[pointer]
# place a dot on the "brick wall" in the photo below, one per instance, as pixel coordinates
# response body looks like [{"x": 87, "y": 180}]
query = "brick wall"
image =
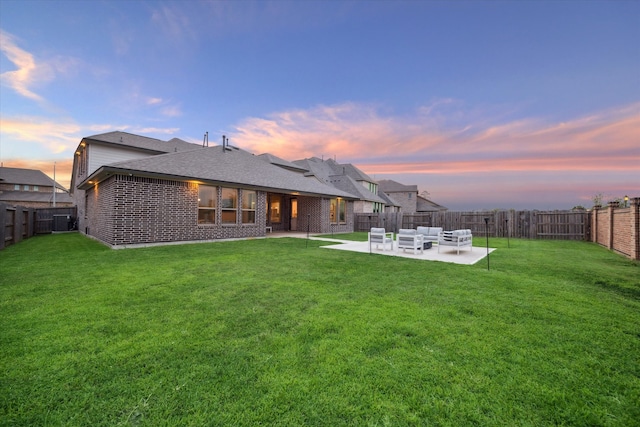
[
  {"x": 408, "y": 201},
  {"x": 125, "y": 210},
  {"x": 618, "y": 228}
]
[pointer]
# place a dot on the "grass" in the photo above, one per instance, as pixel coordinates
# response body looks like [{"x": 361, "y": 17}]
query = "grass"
[{"x": 283, "y": 332}]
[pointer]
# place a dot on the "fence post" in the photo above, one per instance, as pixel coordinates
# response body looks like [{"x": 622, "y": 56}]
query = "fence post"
[
  {"x": 3, "y": 224},
  {"x": 635, "y": 228}
]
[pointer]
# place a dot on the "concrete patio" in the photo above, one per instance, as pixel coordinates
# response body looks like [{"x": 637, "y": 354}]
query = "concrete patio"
[{"x": 447, "y": 254}]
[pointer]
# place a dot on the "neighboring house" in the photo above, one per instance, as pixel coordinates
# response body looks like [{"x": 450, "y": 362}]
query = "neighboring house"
[
  {"x": 348, "y": 178},
  {"x": 426, "y": 205},
  {"x": 404, "y": 195},
  {"x": 131, "y": 189},
  {"x": 390, "y": 205},
  {"x": 31, "y": 188}
]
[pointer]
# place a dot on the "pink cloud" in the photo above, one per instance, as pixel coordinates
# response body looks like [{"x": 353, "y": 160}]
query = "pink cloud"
[
  {"x": 359, "y": 133},
  {"x": 469, "y": 158}
]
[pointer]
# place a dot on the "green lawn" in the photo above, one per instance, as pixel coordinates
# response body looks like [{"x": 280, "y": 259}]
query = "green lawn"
[{"x": 283, "y": 332}]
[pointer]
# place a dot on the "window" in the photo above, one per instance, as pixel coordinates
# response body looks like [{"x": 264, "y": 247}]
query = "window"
[
  {"x": 25, "y": 188},
  {"x": 249, "y": 201},
  {"x": 274, "y": 209},
  {"x": 338, "y": 211},
  {"x": 229, "y": 206},
  {"x": 207, "y": 202},
  {"x": 35, "y": 188},
  {"x": 16, "y": 187}
]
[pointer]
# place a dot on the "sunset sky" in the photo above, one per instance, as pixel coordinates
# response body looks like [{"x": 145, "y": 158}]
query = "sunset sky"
[{"x": 484, "y": 104}]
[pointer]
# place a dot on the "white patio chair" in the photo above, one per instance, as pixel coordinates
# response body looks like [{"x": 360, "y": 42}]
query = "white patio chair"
[
  {"x": 378, "y": 236},
  {"x": 409, "y": 239}
]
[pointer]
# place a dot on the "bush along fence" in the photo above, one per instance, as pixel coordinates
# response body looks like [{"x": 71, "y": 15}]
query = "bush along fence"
[{"x": 19, "y": 222}]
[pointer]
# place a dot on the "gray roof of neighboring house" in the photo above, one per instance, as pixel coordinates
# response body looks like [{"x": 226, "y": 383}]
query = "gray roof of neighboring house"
[
  {"x": 316, "y": 167},
  {"x": 344, "y": 177},
  {"x": 142, "y": 142},
  {"x": 220, "y": 166},
  {"x": 34, "y": 196},
  {"x": 26, "y": 177},
  {"x": 348, "y": 184},
  {"x": 348, "y": 169},
  {"x": 391, "y": 186},
  {"x": 426, "y": 205},
  {"x": 324, "y": 169}
]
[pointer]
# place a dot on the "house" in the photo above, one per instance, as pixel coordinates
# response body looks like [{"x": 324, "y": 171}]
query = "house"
[
  {"x": 390, "y": 205},
  {"x": 346, "y": 177},
  {"x": 408, "y": 198},
  {"x": 31, "y": 188},
  {"x": 405, "y": 195},
  {"x": 131, "y": 189}
]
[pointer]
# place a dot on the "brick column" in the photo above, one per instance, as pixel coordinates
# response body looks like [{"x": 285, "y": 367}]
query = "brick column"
[
  {"x": 611, "y": 207},
  {"x": 635, "y": 228}
]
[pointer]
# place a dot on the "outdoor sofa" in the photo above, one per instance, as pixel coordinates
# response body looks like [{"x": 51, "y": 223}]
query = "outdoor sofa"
[
  {"x": 456, "y": 238},
  {"x": 430, "y": 234}
]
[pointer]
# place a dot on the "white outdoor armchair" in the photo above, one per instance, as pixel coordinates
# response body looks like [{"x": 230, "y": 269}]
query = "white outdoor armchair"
[
  {"x": 409, "y": 239},
  {"x": 378, "y": 236}
]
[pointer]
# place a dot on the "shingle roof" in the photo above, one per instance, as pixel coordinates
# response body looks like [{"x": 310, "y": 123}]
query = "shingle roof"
[
  {"x": 426, "y": 205},
  {"x": 26, "y": 177},
  {"x": 316, "y": 167},
  {"x": 143, "y": 142},
  {"x": 275, "y": 160},
  {"x": 326, "y": 168},
  {"x": 341, "y": 176},
  {"x": 216, "y": 165},
  {"x": 349, "y": 170},
  {"x": 34, "y": 196},
  {"x": 391, "y": 186},
  {"x": 348, "y": 184}
]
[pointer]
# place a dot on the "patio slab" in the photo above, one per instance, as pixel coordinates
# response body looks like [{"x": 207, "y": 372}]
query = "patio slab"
[{"x": 448, "y": 254}]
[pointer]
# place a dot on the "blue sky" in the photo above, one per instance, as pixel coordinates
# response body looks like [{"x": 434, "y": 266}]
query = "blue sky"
[{"x": 484, "y": 104}]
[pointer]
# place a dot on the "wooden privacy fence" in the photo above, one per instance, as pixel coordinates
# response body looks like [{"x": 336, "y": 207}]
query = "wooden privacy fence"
[
  {"x": 19, "y": 223},
  {"x": 559, "y": 225}
]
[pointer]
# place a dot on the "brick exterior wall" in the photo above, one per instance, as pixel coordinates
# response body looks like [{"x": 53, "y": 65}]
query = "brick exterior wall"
[
  {"x": 327, "y": 227},
  {"x": 408, "y": 201},
  {"x": 127, "y": 210},
  {"x": 618, "y": 228}
]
